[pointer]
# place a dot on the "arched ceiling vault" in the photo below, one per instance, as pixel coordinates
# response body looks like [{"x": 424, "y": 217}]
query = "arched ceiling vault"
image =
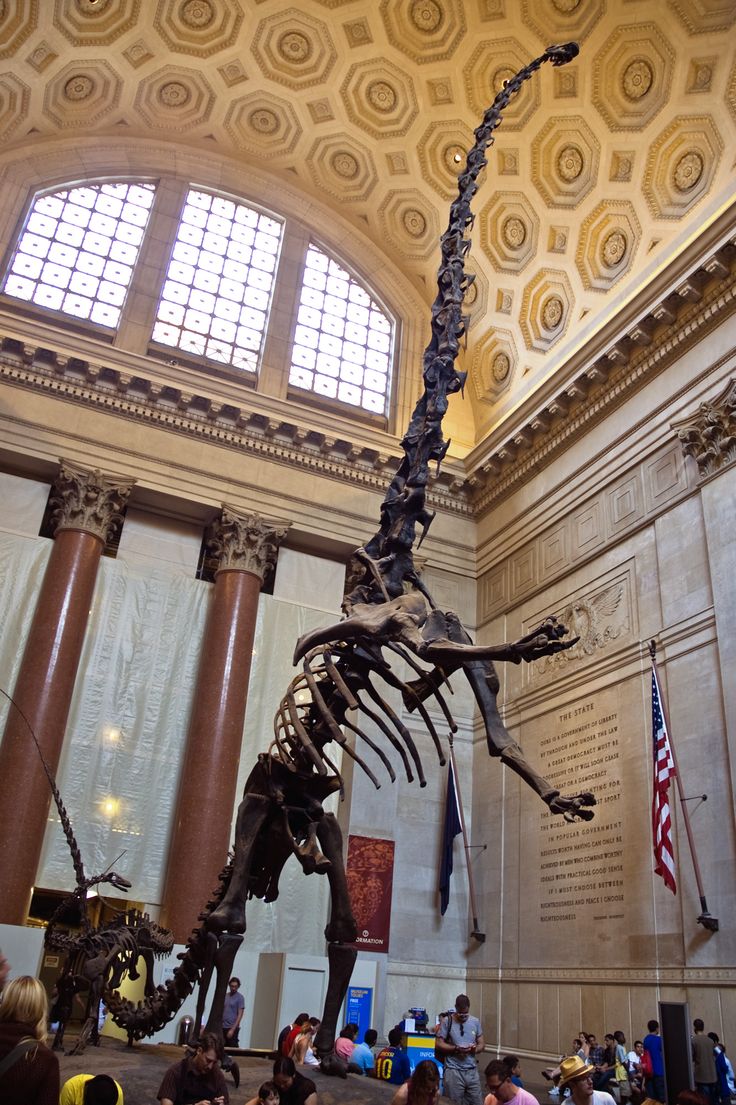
[{"x": 603, "y": 172}]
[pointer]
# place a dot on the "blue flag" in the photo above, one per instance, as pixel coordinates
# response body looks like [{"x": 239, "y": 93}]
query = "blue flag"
[{"x": 453, "y": 826}]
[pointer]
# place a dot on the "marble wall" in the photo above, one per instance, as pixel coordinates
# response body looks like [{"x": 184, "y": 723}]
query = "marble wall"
[{"x": 625, "y": 539}]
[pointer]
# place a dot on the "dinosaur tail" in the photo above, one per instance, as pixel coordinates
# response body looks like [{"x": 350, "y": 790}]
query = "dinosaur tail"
[{"x": 157, "y": 1009}]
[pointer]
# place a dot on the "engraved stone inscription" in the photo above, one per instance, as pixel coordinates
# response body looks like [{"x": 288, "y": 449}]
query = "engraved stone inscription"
[{"x": 581, "y": 871}]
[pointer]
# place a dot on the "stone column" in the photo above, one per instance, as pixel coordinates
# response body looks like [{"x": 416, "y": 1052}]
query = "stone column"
[
  {"x": 246, "y": 546},
  {"x": 88, "y": 507}
]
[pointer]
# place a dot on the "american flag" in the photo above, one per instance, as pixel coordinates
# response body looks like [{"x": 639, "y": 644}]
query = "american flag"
[{"x": 664, "y": 770}]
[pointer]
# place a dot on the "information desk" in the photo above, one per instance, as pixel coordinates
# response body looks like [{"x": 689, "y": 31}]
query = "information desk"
[{"x": 419, "y": 1045}]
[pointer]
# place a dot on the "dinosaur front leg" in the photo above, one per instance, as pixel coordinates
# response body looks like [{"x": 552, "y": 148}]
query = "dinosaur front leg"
[
  {"x": 573, "y": 807},
  {"x": 341, "y": 931},
  {"x": 229, "y": 916}
]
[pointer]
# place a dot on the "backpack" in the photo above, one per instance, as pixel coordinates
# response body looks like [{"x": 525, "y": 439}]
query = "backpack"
[
  {"x": 646, "y": 1064},
  {"x": 440, "y": 1056}
]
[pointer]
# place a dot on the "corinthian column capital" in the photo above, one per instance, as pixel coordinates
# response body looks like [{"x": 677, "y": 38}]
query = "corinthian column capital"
[
  {"x": 245, "y": 542},
  {"x": 709, "y": 436},
  {"x": 87, "y": 499}
]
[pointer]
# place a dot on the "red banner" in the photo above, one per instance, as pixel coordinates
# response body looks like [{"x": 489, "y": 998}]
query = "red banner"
[{"x": 370, "y": 872}]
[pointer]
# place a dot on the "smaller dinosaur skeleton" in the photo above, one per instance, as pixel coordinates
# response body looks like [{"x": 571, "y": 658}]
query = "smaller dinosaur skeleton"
[{"x": 97, "y": 959}]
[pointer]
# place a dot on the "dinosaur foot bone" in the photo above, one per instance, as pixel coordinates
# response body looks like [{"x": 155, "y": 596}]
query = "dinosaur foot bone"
[{"x": 573, "y": 806}]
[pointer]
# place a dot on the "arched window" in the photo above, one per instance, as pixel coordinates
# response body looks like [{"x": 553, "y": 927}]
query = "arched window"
[
  {"x": 77, "y": 250},
  {"x": 343, "y": 340},
  {"x": 220, "y": 280},
  {"x": 205, "y": 290}
]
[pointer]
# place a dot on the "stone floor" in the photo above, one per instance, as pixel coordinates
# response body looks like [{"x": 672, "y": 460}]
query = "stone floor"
[{"x": 139, "y": 1071}]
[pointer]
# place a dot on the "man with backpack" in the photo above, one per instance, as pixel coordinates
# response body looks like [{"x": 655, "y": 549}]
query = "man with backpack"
[{"x": 458, "y": 1037}]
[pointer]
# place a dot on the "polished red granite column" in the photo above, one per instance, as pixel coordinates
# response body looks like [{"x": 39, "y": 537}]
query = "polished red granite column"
[
  {"x": 87, "y": 506},
  {"x": 246, "y": 546}
]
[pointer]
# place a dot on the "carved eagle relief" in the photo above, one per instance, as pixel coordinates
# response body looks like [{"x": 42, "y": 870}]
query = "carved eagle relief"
[{"x": 589, "y": 619}]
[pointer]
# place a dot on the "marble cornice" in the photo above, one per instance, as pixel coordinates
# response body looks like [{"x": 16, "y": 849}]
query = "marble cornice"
[
  {"x": 134, "y": 397},
  {"x": 428, "y": 970},
  {"x": 584, "y": 391},
  {"x": 609, "y": 377},
  {"x": 649, "y": 975}
]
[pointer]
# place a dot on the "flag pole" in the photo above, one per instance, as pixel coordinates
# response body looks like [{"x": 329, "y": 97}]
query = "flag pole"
[
  {"x": 479, "y": 936},
  {"x": 705, "y": 919}
]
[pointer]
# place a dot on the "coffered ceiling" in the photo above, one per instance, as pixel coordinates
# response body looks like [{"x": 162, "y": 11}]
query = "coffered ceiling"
[{"x": 602, "y": 172}]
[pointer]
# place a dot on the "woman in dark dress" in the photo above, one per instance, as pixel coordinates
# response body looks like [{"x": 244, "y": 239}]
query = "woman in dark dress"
[{"x": 34, "y": 1074}]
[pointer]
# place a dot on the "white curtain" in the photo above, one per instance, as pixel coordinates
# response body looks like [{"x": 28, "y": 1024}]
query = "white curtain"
[
  {"x": 120, "y": 764},
  {"x": 22, "y": 565},
  {"x": 127, "y": 725}
]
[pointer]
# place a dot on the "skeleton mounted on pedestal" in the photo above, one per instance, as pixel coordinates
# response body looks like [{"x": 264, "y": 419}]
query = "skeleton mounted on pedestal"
[{"x": 388, "y": 613}]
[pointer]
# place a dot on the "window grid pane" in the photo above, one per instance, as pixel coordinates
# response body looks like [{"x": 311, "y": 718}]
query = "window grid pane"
[
  {"x": 220, "y": 280},
  {"x": 95, "y": 230},
  {"x": 343, "y": 340}
]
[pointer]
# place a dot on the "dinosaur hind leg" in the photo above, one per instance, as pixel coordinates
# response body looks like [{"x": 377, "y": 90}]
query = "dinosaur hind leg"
[
  {"x": 229, "y": 916},
  {"x": 341, "y": 931}
]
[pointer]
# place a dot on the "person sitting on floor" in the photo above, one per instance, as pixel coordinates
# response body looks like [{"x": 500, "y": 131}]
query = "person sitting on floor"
[
  {"x": 294, "y": 1088},
  {"x": 363, "y": 1061},
  {"x": 268, "y": 1094},
  {"x": 423, "y": 1088},
  {"x": 196, "y": 1078},
  {"x": 302, "y": 1052},
  {"x": 392, "y": 1062},
  {"x": 501, "y": 1090},
  {"x": 578, "y": 1076},
  {"x": 514, "y": 1066},
  {"x": 345, "y": 1043},
  {"x": 91, "y": 1089}
]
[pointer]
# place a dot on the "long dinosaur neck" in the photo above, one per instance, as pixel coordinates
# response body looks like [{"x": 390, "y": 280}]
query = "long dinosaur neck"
[
  {"x": 404, "y": 506},
  {"x": 63, "y": 815}
]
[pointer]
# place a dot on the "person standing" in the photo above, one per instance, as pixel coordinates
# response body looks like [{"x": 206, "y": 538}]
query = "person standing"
[
  {"x": 653, "y": 1045},
  {"x": 719, "y": 1054},
  {"x": 704, "y": 1062},
  {"x": 232, "y": 1013},
  {"x": 458, "y": 1038}
]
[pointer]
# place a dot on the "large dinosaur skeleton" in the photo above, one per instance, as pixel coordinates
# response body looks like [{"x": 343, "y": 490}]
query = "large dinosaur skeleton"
[{"x": 388, "y": 614}]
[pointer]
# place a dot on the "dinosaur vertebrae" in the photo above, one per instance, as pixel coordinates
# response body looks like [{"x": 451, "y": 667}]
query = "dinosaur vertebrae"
[
  {"x": 127, "y": 931},
  {"x": 404, "y": 506}
]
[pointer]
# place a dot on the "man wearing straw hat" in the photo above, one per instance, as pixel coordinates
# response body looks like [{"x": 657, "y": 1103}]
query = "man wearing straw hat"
[{"x": 577, "y": 1075}]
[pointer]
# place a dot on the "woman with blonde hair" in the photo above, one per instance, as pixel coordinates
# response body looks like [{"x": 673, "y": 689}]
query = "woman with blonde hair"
[
  {"x": 28, "y": 1070},
  {"x": 302, "y": 1050}
]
